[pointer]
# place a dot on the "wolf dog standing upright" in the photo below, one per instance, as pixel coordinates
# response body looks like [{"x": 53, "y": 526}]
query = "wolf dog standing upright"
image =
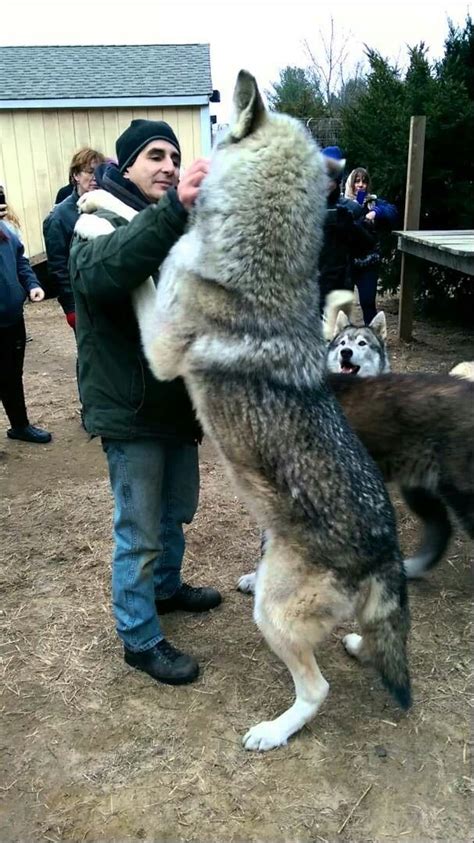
[{"x": 236, "y": 314}]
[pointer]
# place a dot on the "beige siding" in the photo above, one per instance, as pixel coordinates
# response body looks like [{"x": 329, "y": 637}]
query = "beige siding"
[{"x": 36, "y": 148}]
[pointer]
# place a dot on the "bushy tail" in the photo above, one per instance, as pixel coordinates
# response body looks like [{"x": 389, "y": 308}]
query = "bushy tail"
[
  {"x": 385, "y": 621},
  {"x": 336, "y": 300}
]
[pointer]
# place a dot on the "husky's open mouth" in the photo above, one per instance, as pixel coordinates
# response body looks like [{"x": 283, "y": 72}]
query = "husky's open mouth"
[{"x": 349, "y": 369}]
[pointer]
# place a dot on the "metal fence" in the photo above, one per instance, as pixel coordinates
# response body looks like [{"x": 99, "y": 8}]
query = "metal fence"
[{"x": 326, "y": 130}]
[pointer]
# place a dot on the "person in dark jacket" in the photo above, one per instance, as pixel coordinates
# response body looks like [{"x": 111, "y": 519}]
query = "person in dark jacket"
[
  {"x": 17, "y": 282},
  {"x": 63, "y": 193},
  {"x": 59, "y": 225},
  {"x": 378, "y": 216},
  {"x": 148, "y": 428},
  {"x": 345, "y": 238}
]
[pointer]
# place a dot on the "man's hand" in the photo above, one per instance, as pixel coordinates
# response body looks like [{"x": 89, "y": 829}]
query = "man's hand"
[
  {"x": 370, "y": 216},
  {"x": 36, "y": 294},
  {"x": 189, "y": 185}
]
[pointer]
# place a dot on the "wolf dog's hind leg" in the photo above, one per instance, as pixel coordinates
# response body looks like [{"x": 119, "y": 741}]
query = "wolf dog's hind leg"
[
  {"x": 296, "y": 606},
  {"x": 384, "y": 618},
  {"x": 436, "y": 530}
]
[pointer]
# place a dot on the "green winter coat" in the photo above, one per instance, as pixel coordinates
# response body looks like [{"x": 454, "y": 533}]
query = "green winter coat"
[{"x": 121, "y": 397}]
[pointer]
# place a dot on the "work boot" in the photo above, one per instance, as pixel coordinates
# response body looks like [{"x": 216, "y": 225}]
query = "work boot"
[
  {"x": 164, "y": 663},
  {"x": 29, "y": 433},
  {"x": 190, "y": 599}
]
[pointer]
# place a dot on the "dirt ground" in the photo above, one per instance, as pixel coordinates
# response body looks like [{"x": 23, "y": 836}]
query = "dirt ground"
[{"x": 92, "y": 750}]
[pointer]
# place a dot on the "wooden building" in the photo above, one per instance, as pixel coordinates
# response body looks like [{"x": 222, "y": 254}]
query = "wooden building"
[{"x": 55, "y": 100}]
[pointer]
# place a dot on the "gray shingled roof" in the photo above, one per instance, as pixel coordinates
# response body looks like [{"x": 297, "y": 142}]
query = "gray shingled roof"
[{"x": 154, "y": 70}]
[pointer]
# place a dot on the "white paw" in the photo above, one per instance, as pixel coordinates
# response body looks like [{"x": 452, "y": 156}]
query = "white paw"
[
  {"x": 246, "y": 583},
  {"x": 93, "y": 200},
  {"x": 264, "y": 736},
  {"x": 88, "y": 227},
  {"x": 352, "y": 643}
]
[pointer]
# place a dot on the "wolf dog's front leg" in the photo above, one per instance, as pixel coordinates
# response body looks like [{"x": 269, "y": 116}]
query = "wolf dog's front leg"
[
  {"x": 311, "y": 691},
  {"x": 102, "y": 199},
  {"x": 163, "y": 327},
  {"x": 296, "y": 606}
]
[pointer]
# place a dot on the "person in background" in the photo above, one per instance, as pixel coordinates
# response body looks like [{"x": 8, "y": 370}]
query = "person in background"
[
  {"x": 378, "y": 215},
  {"x": 345, "y": 238},
  {"x": 17, "y": 282},
  {"x": 7, "y": 214},
  {"x": 64, "y": 192},
  {"x": 59, "y": 225},
  {"x": 149, "y": 431}
]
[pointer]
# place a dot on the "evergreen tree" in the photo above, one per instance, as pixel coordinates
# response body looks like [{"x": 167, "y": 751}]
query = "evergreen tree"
[
  {"x": 297, "y": 93},
  {"x": 376, "y": 111}
]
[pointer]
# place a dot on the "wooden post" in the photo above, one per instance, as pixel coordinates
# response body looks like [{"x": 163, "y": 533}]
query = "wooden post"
[{"x": 409, "y": 269}]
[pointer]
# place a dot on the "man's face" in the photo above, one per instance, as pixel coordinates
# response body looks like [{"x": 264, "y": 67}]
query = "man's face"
[
  {"x": 85, "y": 180},
  {"x": 155, "y": 169}
]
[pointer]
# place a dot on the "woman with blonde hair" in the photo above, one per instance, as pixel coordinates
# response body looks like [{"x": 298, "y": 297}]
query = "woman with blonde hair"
[
  {"x": 379, "y": 215},
  {"x": 8, "y": 216}
]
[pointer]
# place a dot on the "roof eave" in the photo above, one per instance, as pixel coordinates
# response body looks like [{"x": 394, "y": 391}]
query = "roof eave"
[{"x": 106, "y": 102}]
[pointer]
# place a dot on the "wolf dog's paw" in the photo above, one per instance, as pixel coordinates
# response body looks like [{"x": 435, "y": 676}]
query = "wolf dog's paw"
[
  {"x": 264, "y": 736},
  {"x": 246, "y": 583},
  {"x": 93, "y": 200},
  {"x": 352, "y": 644},
  {"x": 87, "y": 227}
]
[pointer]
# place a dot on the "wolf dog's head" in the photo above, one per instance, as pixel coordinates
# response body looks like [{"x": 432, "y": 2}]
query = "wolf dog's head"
[
  {"x": 359, "y": 350},
  {"x": 260, "y": 212}
]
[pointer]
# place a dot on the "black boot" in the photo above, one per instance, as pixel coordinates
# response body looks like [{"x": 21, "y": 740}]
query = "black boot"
[
  {"x": 164, "y": 663},
  {"x": 190, "y": 599},
  {"x": 29, "y": 433}
]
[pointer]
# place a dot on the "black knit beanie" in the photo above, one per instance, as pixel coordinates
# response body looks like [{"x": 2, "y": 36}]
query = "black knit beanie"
[{"x": 138, "y": 135}]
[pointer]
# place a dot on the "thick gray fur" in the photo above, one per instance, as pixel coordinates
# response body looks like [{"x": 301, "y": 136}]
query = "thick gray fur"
[{"x": 236, "y": 315}]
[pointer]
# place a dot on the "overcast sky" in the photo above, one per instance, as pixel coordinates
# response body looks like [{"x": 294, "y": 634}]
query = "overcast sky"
[{"x": 261, "y": 35}]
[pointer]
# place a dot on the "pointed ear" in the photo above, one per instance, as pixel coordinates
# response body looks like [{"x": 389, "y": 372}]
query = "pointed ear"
[
  {"x": 249, "y": 109},
  {"x": 342, "y": 322},
  {"x": 379, "y": 325}
]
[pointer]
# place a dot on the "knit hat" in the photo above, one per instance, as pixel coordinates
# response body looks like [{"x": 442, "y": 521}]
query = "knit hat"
[
  {"x": 333, "y": 152},
  {"x": 335, "y": 162},
  {"x": 138, "y": 135}
]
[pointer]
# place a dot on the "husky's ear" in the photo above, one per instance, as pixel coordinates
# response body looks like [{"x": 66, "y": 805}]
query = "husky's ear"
[
  {"x": 379, "y": 325},
  {"x": 342, "y": 322},
  {"x": 249, "y": 109}
]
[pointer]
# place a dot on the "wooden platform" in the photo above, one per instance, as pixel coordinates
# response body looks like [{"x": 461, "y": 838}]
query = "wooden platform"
[{"x": 453, "y": 249}]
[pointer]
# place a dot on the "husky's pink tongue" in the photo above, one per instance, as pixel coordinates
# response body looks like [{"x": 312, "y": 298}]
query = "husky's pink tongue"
[{"x": 347, "y": 370}]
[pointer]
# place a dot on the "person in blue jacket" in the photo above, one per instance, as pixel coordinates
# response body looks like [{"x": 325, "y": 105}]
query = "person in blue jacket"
[
  {"x": 379, "y": 216},
  {"x": 17, "y": 282},
  {"x": 345, "y": 236}
]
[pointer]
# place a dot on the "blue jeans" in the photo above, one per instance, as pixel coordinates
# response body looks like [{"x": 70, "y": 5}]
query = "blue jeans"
[
  {"x": 156, "y": 488},
  {"x": 365, "y": 279}
]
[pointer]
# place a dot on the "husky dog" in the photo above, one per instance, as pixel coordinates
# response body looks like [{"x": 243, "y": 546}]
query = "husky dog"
[
  {"x": 419, "y": 429},
  {"x": 358, "y": 350},
  {"x": 236, "y": 315}
]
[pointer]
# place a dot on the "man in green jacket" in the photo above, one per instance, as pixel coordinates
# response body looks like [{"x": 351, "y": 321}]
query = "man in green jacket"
[{"x": 148, "y": 428}]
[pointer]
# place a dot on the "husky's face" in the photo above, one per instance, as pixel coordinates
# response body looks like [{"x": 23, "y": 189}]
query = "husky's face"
[{"x": 359, "y": 350}]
